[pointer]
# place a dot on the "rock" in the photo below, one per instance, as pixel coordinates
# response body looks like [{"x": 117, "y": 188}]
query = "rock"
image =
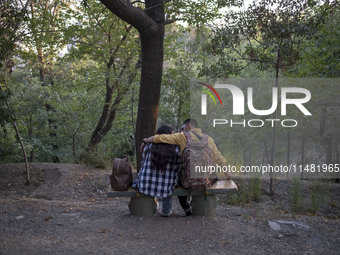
[
  {"x": 274, "y": 225},
  {"x": 293, "y": 223}
]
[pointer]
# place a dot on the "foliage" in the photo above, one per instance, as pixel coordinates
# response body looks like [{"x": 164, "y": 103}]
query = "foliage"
[
  {"x": 197, "y": 12},
  {"x": 312, "y": 201},
  {"x": 268, "y": 33},
  {"x": 11, "y": 16},
  {"x": 4, "y": 113},
  {"x": 324, "y": 47},
  {"x": 249, "y": 191},
  {"x": 78, "y": 44},
  {"x": 175, "y": 96}
]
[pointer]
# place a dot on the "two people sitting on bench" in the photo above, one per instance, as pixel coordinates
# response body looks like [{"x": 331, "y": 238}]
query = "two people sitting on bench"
[{"x": 179, "y": 139}]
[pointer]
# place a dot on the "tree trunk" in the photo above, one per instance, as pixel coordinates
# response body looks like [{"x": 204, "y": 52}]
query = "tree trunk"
[
  {"x": 265, "y": 151},
  {"x": 109, "y": 111},
  {"x": 150, "y": 25},
  {"x": 28, "y": 178},
  {"x": 179, "y": 110},
  {"x": 273, "y": 152},
  {"x": 132, "y": 111},
  {"x": 44, "y": 72},
  {"x": 149, "y": 94},
  {"x": 302, "y": 156},
  {"x": 30, "y": 135},
  {"x": 329, "y": 150},
  {"x": 288, "y": 148},
  {"x": 51, "y": 122}
]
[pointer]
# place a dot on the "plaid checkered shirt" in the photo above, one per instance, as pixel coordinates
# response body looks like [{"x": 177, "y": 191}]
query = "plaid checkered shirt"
[{"x": 157, "y": 183}]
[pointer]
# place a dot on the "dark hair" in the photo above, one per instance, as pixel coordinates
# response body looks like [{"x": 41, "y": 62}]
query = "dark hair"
[
  {"x": 162, "y": 153},
  {"x": 192, "y": 122},
  {"x": 164, "y": 129}
]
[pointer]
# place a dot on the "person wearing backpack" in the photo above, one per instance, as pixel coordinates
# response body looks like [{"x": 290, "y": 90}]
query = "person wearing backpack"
[
  {"x": 189, "y": 131},
  {"x": 158, "y": 174}
]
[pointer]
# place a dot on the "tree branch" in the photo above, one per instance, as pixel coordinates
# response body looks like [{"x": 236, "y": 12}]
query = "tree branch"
[
  {"x": 135, "y": 2},
  {"x": 170, "y": 21},
  {"x": 130, "y": 14}
]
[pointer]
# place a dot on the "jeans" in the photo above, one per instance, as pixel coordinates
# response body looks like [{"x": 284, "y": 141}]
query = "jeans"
[
  {"x": 166, "y": 204},
  {"x": 184, "y": 202}
]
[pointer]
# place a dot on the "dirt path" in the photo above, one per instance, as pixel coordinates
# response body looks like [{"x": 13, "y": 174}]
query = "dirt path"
[{"x": 66, "y": 211}]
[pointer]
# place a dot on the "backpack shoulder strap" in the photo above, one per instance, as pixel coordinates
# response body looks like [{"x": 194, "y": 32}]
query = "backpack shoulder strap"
[
  {"x": 197, "y": 135},
  {"x": 187, "y": 136},
  {"x": 205, "y": 138}
]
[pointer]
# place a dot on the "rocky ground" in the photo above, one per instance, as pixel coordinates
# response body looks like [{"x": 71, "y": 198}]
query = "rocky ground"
[{"x": 65, "y": 210}]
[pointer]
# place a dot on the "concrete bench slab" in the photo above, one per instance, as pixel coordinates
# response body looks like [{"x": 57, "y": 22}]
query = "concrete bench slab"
[
  {"x": 202, "y": 204},
  {"x": 219, "y": 187}
]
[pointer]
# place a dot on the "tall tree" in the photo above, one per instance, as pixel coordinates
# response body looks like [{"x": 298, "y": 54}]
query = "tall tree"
[
  {"x": 114, "y": 45},
  {"x": 46, "y": 25},
  {"x": 150, "y": 23},
  {"x": 271, "y": 34},
  {"x": 11, "y": 17}
]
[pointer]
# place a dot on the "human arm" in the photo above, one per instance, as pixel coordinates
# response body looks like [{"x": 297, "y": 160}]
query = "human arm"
[
  {"x": 175, "y": 139},
  {"x": 145, "y": 141}
]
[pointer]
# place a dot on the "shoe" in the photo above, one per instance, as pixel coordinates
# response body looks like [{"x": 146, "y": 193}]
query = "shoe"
[
  {"x": 188, "y": 212},
  {"x": 166, "y": 214},
  {"x": 157, "y": 204}
]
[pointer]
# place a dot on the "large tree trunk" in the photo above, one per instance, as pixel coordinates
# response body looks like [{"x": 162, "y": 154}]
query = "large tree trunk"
[
  {"x": 150, "y": 25},
  {"x": 149, "y": 94}
]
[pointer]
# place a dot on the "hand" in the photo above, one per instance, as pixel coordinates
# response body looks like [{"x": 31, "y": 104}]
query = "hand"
[
  {"x": 142, "y": 147},
  {"x": 228, "y": 176},
  {"x": 146, "y": 140}
]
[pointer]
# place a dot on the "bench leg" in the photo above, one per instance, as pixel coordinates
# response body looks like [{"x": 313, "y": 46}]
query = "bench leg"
[
  {"x": 142, "y": 206},
  {"x": 202, "y": 206}
]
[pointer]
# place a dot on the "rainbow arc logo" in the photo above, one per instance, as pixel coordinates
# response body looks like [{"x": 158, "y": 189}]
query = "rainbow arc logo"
[
  {"x": 204, "y": 97},
  {"x": 209, "y": 93}
]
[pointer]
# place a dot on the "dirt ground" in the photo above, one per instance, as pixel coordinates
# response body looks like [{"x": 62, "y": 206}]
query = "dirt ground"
[{"x": 66, "y": 211}]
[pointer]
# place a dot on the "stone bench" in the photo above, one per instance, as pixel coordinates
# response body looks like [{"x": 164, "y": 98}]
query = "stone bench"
[{"x": 202, "y": 205}]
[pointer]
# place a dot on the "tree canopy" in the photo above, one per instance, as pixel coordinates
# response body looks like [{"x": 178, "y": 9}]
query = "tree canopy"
[{"x": 88, "y": 80}]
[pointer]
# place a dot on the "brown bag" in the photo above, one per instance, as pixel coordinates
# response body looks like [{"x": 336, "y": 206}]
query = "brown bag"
[{"x": 121, "y": 177}]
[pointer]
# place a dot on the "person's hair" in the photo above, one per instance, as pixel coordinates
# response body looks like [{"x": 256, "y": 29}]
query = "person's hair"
[
  {"x": 162, "y": 153},
  {"x": 192, "y": 122}
]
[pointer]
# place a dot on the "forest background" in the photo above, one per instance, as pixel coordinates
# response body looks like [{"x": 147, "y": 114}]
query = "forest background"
[{"x": 70, "y": 75}]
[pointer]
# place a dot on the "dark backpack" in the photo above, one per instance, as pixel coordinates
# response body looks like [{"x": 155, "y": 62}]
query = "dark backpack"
[
  {"x": 196, "y": 153},
  {"x": 121, "y": 177}
]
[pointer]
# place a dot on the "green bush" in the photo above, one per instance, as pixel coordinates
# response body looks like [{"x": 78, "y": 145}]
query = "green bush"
[{"x": 248, "y": 191}]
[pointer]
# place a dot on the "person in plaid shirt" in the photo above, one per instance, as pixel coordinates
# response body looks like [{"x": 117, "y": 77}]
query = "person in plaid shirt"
[{"x": 158, "y": 174}]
